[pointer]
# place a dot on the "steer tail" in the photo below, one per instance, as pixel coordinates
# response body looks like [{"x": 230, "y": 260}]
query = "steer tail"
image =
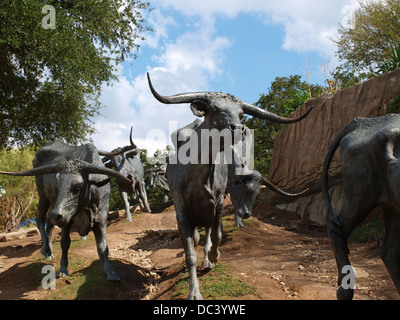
[{"x": 332, "y": 220}]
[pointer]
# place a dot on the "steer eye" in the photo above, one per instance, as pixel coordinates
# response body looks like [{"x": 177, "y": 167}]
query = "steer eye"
[
  {"x": 77, "y": 188},
  {"x": 237, "y": 182}
]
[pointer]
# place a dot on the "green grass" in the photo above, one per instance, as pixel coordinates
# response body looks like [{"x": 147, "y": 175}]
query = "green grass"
[
  {"x": 367, "y": 232},
  {"x": 85, "y": 275},
  {"x": 217, "y": 284}
]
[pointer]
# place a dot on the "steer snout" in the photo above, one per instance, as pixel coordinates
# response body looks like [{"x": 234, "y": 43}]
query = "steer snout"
[
  {"x": 57, "y": 218},
  {"x": 234, "y": 127},
  {"x": 244, "y": 213}
]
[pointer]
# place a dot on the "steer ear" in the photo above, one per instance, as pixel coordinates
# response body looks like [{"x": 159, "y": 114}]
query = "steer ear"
[{"x": 199, "y": 108}]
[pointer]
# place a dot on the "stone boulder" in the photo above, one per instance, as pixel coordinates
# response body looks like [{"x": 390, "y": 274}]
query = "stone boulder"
[{"x": 300, "y": 148}]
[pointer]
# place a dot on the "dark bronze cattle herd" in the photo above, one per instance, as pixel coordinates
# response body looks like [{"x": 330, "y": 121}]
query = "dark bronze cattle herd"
[{"x": 74, "y": 190}]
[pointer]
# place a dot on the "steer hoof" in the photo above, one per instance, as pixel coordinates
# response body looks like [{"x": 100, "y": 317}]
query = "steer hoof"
[
  {"x": 195, "y": 296},
  {"x": 49, "y": 257},
  {"x": 213, "y": 256},
  {"x": 62, "y": 273},
  {"x": 112, "y": 276},
  {"x": 345, "y": 294},
  {"x": 239, "y": 224},
  {"x": 207, "y": 264},
  {"x": 46, "y": 251}
]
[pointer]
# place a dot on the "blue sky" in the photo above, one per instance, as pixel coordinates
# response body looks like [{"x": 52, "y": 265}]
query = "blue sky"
[{"x": 234, "y": 46}]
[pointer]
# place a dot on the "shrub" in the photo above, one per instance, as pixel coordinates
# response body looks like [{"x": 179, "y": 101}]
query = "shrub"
[{"x": 19, "y": 197}]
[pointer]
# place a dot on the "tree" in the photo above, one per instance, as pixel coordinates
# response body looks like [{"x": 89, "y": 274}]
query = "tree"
[
  {"x": 345, "y": 78},
  {"x": 284, "y": 96},
  {"x": 393, "y": 62},
  {"x": 365, "y": 42},
  {"x": 19, "y": 193},
  {"x": 50, "y": 79}
]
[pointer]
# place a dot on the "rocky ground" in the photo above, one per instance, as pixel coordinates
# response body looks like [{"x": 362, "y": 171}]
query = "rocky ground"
[{"x": 283, "y": 257}]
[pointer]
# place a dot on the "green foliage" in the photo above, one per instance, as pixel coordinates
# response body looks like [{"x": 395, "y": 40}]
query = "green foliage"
[
  {"x": 50, "y": 79},
  {"x": 284, "y": 96},
  {"x": 20, "y": 199},
  {"x": 393, "y": 62},
  {"x": 363, "y": 44},
  {"x": 298, "y": 99},
  {"x": 116, "y": 202},
  {"x": 345, "y": 78},
  {"x": 371, "y": 230},
  {"x": 394, "y": 105}
]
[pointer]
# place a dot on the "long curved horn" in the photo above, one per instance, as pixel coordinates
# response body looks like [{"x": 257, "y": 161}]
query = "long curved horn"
[
  {"x": 179, "y": 98},
  {"x": 131, "y": 140},
  {"x": 266, "y": 115},
  {"x": 247, "y": 108},
  {"x": 54, "y": 168},
  {"x": 281, "y": 192},
  {"x": 51, "y": 168},
  {"x": 115, "y": 153},
  {"x": 156, "y": 170},
  {"x": 91, "y": 168}
]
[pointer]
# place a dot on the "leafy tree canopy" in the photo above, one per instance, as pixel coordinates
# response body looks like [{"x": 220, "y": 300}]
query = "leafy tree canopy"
[
  {"x": 284, "y": 96},
  {"x": 366, "y": 41},
  {"x": 50, "y": 79}
]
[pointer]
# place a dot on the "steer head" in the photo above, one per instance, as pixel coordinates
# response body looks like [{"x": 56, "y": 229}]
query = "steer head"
[
  {"x": 116, "y": 158},
  {"x": 243, "y": 192},
  {"x": 245, "y": 189},
  {"x": 74, "y": 183},
  {"x": 221, "y": 111}
]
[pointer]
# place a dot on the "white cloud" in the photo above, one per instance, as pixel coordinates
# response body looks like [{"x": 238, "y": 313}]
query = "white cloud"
[
  {"x": 191, "y": 59},
  {"x": 185, "y": 64},
  {"x": 308, "y": 24},
  {"x": 195, "y": 57},
  {"x": 160, "y": 24},
  {"x": 132, "y": 104}
]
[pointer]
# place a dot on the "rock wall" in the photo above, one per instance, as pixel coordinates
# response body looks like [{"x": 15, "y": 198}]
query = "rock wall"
[{"x": 300, "y": 148}]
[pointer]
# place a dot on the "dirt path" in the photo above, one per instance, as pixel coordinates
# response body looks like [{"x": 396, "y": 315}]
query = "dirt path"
[{"x": 280, "y": 255}]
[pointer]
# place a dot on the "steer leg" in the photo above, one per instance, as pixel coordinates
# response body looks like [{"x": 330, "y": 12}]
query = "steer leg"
[
  {"x": 216, "y": 237},
  {"x": 140, "y": 187},
  {"x": 49, "y": 233},
  {"x": 207, "y": 247},
  {"x": 390, "y": 249},
  {"x": 196, "y": 237},
  {"x": 238, "y": 221},
  {"x": 124, "y": 196},
  {"x": 43, "y": 207},
  {"x": 350, "y": 216},
  {"x": 99, "y": 230},
  {"x": 166, "y": 197},
  {"x": 65, "y": 244},
  {"x": 186, "y": 230},
  {"x": 216, "y": 231}
]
